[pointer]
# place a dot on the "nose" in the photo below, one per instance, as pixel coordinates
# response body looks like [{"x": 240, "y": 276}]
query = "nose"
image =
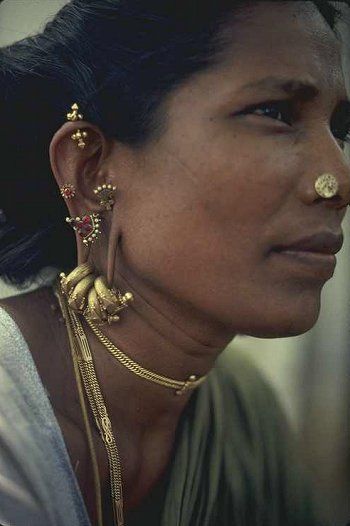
[{"x": 330, "y": 158}]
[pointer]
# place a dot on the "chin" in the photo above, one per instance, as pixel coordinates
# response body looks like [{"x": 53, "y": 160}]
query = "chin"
[{"x": 293, "y": 319}]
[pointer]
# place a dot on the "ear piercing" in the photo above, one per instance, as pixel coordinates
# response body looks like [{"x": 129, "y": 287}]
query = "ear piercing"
[
  {"x": 67, "y": 191},
  {"x": 79, "y": 135},
  {"x": 105, "y": 193},
  {"x": 74, "y": 115},
  {"x": 87, "y": 226}
]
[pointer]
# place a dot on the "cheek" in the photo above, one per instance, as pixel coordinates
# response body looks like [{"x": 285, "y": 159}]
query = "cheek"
[
  {"x": 202, "y": 226},
  {"x": 200, "y": 235}
]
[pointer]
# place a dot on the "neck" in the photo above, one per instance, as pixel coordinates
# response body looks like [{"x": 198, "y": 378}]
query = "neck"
[{"x": 164, "y": 340}]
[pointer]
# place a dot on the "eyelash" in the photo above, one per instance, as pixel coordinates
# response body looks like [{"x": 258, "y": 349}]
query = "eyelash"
[
  {"x": 281, "y": 106},
  {"x": 286, "y": 107}
]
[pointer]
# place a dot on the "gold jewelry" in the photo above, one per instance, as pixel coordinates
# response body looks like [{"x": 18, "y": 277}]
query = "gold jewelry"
[
  {"x": 105, "y": 193},
  {"x": 326, "y": 185},
  {"x": 180, "y": 386},
  {"x": 78, "y": 381},
  {"x": 74, "y": 116},
  {"x": 87, "y": 226},
  {"x": 80, "y": 136},
  {"x": 67, "y": 191},
  {"x": 88, "y": 294},
  {"x": 98, "y": 407},
  {"x": 69, "y": 282},
  {"x": 111, "y": 300}
]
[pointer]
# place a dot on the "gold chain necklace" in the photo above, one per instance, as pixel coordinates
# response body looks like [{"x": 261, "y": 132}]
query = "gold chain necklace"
[
  {"x": 97, "y": 404},
  {"x": 179, "y": 386},
  {"x": 82, "y": 354}
]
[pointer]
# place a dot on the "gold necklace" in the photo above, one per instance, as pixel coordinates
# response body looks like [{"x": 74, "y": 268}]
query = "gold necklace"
[
  {"x": 180, "y": 386},
  {"x": 93, "y": 391}
]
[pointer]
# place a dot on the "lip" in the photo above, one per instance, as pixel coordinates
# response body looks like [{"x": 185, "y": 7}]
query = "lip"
[
  {"x": 326, "y": 242},
  {"x": 314, "y": 255},
  {"x": 321, "y": 265}
]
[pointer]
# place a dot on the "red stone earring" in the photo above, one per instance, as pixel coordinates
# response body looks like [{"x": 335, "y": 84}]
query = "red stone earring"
[
  {"x": 67, "y": 191},
  {"x": 87, "y": 226}
]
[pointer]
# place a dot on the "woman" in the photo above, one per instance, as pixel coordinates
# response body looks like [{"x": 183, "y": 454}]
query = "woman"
[{"x": 203, "y": 167}]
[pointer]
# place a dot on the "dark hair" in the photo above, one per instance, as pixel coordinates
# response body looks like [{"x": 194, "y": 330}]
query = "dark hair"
[{"x": 118, "y": 59}]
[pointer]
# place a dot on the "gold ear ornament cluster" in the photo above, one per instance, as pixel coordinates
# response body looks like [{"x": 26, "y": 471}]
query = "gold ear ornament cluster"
[
  {"x": 88, "y": 225},
  {"x": 79, "y": 135},
  {"x": 88, "y": 294}
]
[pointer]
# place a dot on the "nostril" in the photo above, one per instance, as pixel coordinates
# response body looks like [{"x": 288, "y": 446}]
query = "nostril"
[{"x": 334, "y": 199}]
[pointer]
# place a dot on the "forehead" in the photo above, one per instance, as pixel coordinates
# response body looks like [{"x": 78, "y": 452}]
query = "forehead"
[{"x": 287, "y": 39}]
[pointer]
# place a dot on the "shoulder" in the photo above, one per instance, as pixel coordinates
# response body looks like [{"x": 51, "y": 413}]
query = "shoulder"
[
  {"x": 33, "y": 333},
  {"x": 27, "y": 312},
  {"x": 33, "y": 456},
  {"x": 20, "y": 381}
]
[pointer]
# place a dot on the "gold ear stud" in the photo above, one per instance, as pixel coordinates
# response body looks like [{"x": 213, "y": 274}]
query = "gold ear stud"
[
  {"x": 67, "y": 191},
  {"x": 105, "y": 193},
  {"x": 74, "y": 115},
  {"x": 79, "y": 135}
]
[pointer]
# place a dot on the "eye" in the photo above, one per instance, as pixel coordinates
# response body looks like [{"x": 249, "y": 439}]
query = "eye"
[
  {"x": 272, "y": 110},
  {"x": 342, "y": 134},
  {"x": 340, "y": 123}
]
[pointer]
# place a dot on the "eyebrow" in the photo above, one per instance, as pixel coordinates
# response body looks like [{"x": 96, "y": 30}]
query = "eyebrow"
[{"x": 300, "y": 89}]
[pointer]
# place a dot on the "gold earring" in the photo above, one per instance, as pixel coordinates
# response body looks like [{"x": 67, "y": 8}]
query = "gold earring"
[
  {"x": 67, "y": 191},
  {"x": 87, "y": 226},
  {"x": 74, "y": 115},
  {"x": 79, "y": 135},
  {"x": 326, "y": 186},
  {"x": 89, "y": 295},
  {"x": 112, "y": 301},
  {"x": 79, "y": 273},
  {"x": 105, "y": 193}
]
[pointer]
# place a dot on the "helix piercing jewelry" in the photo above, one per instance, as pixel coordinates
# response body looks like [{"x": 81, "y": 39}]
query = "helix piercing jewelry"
[
  {"x": 105, "y": 194},
  {"x": 87, "y": 226},
  {"x": 74, "y": 115},
  {"x": 67, "y": 191},
  {"x": 79, "y": 135},
  {"x": 326, "y": 185}
]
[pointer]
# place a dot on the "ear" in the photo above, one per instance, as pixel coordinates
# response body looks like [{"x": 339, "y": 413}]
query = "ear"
[{"x": 84, "y": 168}]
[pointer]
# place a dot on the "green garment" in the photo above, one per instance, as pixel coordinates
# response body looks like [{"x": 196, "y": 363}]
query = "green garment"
[{"x": 234, "y": 462}]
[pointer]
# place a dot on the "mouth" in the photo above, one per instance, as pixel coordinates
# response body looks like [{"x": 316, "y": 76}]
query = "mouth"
[
  {"x": 313, "y": 255},
  {"x": 317, "y": 265}
]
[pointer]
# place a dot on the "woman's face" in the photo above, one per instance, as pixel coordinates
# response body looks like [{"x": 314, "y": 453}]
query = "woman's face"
[{"x": 224, "y": 185}]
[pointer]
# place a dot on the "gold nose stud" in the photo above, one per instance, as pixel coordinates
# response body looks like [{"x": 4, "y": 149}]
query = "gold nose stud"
[{"x": 326, "y": 186}]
